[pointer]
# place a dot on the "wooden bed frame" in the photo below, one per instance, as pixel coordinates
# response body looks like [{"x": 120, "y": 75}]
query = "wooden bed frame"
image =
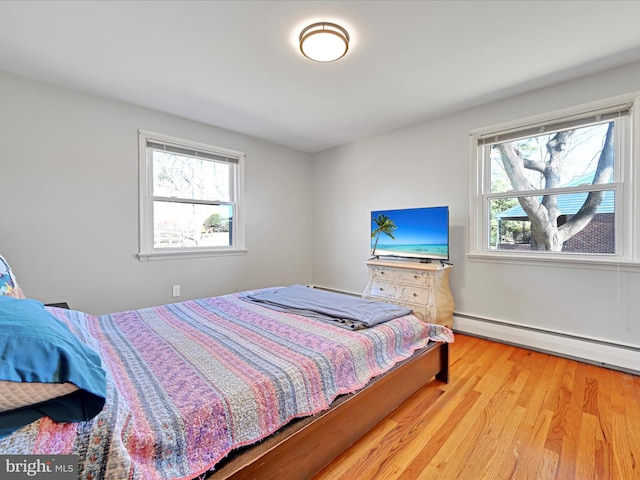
[{"x": 308, "y": 445}]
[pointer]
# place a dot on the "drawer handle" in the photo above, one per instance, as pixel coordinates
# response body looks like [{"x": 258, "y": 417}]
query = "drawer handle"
[
  {"x": 382, "y": 289},
  {"x": 382, "y": 272},
  {"x": 415, "y": 276},
  {"x": 415, "y": 294}
]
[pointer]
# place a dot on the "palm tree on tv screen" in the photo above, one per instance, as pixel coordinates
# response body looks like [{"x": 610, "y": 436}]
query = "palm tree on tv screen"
[{"x": 383, "y": 225}]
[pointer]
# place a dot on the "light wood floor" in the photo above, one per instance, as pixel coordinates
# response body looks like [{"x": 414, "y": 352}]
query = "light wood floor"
[{"x": 507, "y": 413}]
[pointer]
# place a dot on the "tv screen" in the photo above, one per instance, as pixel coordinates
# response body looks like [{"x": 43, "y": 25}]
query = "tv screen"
[{"x": 411, "y": 233}]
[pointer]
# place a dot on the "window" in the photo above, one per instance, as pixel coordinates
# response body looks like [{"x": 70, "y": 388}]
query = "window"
[
  {"x": 556, "y": 187},
  {"x": 189, "y": 198}
]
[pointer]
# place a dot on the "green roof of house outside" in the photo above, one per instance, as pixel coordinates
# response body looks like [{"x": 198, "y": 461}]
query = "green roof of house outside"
[{"x": 569, "y": 203}]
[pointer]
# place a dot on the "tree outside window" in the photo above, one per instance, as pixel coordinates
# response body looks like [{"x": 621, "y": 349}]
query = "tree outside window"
[
  {"x": 190, "y": 198},
  {"x": 552, "y": 191}
]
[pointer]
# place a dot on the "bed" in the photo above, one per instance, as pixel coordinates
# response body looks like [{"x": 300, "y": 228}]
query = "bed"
[{"x": 222, "y": 387}]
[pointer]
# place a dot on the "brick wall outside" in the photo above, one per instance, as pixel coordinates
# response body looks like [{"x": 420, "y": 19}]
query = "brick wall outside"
[{"x": 597, "y": 237}]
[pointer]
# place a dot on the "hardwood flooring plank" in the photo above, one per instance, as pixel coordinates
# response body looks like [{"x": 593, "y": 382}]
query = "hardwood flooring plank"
[
  {"x": 442, "y": 441},
  {"x": 535, "y": 425},
  {"x": 558, "y": 402},
  {"x": 632, "y": 413},
  {"x": 532, "y": 394},
  {"x": 549, "y": 466},
  {"x": 586, "y": 464},
  {"x": 625, "y": 462},
  {"x": 572, "y": 421},
  {"x": 617, "y": 393},
  {"x": 501, "y": 430},
  {"x": 590, "y": 398},
  {"x": 436, "y": 422},
  {"x": 604, "y": 432},
  {"x": 531, "y": 453},
  {"x": 502, "y": 447}
]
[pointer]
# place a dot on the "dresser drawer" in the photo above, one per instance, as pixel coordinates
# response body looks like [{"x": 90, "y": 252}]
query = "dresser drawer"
[
  {"x": 394, "y": 275},
  {"x": 422, "y": 287},
  {"x": 400, "y": 293}
]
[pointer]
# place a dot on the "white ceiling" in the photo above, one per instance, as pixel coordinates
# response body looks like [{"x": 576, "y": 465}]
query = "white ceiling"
[{"x": 235, "y": 64}]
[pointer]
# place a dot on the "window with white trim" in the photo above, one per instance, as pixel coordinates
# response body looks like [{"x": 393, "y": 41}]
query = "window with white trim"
[
  {"x": 556, "y": 186},
  {"x": 190, "y": 196}
]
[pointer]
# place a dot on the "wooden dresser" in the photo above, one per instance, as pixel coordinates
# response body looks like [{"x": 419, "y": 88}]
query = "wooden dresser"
[{"x": 423, "y": 287}]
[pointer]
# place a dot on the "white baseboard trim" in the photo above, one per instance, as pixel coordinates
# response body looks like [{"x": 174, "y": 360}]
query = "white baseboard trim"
[{"x": 610, "y": 355}]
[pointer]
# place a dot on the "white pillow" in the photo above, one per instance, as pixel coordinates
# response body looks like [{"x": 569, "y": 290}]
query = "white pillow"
[{"x": 20, "y": 394}]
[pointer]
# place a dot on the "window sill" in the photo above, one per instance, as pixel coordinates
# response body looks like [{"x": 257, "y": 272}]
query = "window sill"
[
  {"x": 175, "y": 255},
  {"x": 545, "y": 259}
]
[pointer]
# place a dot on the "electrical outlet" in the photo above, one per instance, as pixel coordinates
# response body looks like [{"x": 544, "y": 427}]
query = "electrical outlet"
[{"x": 176, "y": 291}]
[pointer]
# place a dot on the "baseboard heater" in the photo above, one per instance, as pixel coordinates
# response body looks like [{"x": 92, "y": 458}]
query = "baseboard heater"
[{"x": 617, "y": 356}]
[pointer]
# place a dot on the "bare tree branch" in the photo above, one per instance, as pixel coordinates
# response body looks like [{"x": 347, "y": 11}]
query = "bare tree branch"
[{"x": 604, "y": 173}]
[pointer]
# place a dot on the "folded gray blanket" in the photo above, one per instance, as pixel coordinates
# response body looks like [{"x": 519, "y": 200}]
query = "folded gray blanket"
[{"x": 353, "y": 313}]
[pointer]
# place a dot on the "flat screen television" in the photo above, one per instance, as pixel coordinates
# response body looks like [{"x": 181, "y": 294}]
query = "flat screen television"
[{"x": 421, "y": 233}]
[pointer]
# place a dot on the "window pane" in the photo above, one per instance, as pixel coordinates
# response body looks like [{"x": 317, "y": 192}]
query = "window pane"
[
  {"x": 571, "y": 231},
  {"x": 191, "y": 225},
  {"x": 560, "y": 159},
  {"x": 190, "y": 178}
]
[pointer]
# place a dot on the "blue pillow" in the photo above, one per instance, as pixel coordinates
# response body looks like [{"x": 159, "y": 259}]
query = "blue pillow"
[{"x": 37, "y": 347}]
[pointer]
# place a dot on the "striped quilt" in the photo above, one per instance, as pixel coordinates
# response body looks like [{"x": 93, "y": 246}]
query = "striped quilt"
[{"x": 189, "y": 382}]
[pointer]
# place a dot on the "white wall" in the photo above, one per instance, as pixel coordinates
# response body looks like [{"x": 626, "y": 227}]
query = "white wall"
[
  {"x": 429, "y": 165},
  {"x": 69, "y": 215}
]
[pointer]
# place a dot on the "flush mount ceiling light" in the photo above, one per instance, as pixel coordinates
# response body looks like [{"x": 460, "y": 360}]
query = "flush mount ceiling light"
[{"x": 324, "y": 42}]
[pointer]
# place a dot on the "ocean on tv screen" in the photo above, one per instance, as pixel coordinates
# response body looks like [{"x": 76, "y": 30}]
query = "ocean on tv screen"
[{"x": 418, "y": 251}]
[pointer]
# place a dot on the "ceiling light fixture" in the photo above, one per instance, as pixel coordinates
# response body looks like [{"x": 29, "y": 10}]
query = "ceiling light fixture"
[{"x": 324, "y": 42}]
